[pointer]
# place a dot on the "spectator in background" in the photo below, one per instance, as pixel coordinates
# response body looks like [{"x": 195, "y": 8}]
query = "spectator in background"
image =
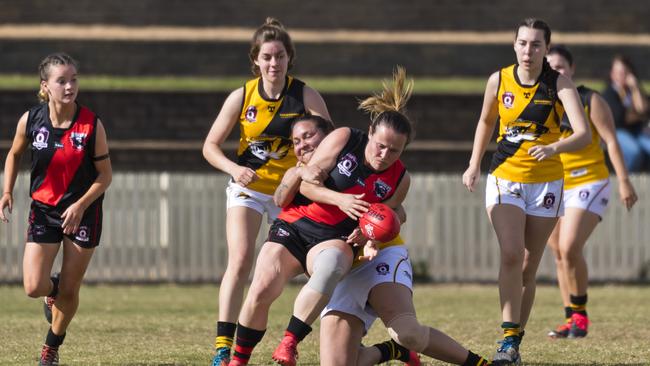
[{"x": 629, "y": 105}]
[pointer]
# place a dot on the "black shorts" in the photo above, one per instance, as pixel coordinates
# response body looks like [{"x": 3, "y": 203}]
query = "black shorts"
[
  {"x": 45, "y": 225},
  {"x": 299, "y": 237}
]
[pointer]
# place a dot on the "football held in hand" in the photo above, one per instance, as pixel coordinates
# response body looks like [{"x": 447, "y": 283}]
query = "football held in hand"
[{"x": 379, "y": 223}]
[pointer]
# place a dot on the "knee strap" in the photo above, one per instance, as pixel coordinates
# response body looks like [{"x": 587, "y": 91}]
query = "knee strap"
[
  {"x": 406, "y": 330},
  {"x": 329, "y": 267}
]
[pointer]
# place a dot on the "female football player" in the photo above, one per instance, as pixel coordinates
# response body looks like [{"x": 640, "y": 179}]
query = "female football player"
[
  {"x": 586, "y": 195},
  {"x": 524, "y": 184},
  {"x": 70, "y": 172}
]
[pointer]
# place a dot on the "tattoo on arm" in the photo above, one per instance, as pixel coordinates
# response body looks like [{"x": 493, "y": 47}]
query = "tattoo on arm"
[{"x": 281, "y": 188}]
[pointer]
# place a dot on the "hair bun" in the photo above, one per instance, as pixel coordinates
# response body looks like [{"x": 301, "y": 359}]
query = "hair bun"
[{"x": 272, "y": 22}]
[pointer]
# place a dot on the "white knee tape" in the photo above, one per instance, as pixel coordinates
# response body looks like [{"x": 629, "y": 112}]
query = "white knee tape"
[
  {"x": 407, "y": 331},
  {"x": 328, "y": 270}
]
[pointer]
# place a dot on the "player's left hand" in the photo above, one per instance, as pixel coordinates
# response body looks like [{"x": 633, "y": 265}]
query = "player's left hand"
[
  {"x": 72, "y": 218},
  {"x": 541, "y": 152},
  {"x": 356, "y": 238},
  {"x": 370, "y": 251},
  {"x": 627, "y": 193}
]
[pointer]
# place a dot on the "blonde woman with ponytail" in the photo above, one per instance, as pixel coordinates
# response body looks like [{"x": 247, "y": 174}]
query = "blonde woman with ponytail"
[
  {"x": 264, "y": 109},
  {"x": 70, "y": 171}
]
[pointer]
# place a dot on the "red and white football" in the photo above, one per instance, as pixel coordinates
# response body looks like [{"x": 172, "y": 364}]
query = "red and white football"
[{"x": 379, "y": 223}]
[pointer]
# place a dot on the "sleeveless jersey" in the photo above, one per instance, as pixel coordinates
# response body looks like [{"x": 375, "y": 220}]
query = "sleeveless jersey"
[
  {"x": 62, "y": 158},
  {"x": 528, "y": 116},
  {"x": 349, "y": 175},
  {"x": 588, "y": 164},
  {"x": 265, "y": 132}
]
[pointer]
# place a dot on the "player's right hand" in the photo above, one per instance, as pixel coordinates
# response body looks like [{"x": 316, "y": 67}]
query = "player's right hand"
[
  {"x": 244, "y": 176},
  {"x": 6, "y": 201},
  {"x": 353, "y": 205},
  {"x": 470, "y": 177}
]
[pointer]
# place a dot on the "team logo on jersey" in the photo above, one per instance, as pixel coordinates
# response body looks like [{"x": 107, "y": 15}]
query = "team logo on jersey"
[
  {"x": 583, "y": 194},
  {"x": 381, "y": 189},
  {"x": 604, "y": 201},
  {"x": 549, "y": 201},
  {"x": 40, "y": 138},
  {"x": 347, "y": 164},
  {"x": 82, "y": 234},
  {"x": 251, "y": 114},
  {"x": 520, "y": 130},
  {"x": 382, "y": 269},
  {"x": 78, "y": 140},
  {"x": 267, "y": 148},
  {"x": 526, "y": 95},
  {"x": 271, "y": 108},
  {"x": 508, "y": 99}
]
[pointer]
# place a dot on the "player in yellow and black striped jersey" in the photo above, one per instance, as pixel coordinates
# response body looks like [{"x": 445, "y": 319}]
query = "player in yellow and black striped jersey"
[
  {"x": 264, "y": 110},
  {"x": 265, "y": 127},
  {"x": 586, "y": 185},
  {"x": 529, "y": 115},
  {"x": 524, "y": 187}
]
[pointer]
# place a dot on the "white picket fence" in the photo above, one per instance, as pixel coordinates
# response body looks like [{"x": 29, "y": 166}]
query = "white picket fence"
[{"x": 171, "y": 227}]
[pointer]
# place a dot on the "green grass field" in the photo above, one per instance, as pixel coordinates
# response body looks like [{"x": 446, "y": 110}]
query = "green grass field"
[
  {"x": 453, "y": 85},
  {"x": 174, "y": 325}
]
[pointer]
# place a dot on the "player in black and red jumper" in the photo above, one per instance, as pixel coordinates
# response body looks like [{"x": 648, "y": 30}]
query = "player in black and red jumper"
[
  {"x": 310, "y": 236},
  {"x": 70, "y": 172}
]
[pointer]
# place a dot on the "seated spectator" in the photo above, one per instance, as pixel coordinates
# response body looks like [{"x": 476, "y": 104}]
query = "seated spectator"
[{"x": 629, "y": 105}]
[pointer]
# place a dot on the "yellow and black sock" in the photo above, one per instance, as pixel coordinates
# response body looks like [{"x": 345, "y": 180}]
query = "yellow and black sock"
[
  {"x": 579, "y": 304},
  {"x": 225, "y": 335},
  {"x": 475, "y": 360},
  {"x": 391, "y": 350},
  {"x": 510, "y": 329}
]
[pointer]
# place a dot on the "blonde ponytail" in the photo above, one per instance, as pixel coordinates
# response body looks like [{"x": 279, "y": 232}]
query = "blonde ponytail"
[
  {"x": 389, "y": 107},
  {"x": 42, "y": 96},
  {"x": 392, "y": 98}
]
